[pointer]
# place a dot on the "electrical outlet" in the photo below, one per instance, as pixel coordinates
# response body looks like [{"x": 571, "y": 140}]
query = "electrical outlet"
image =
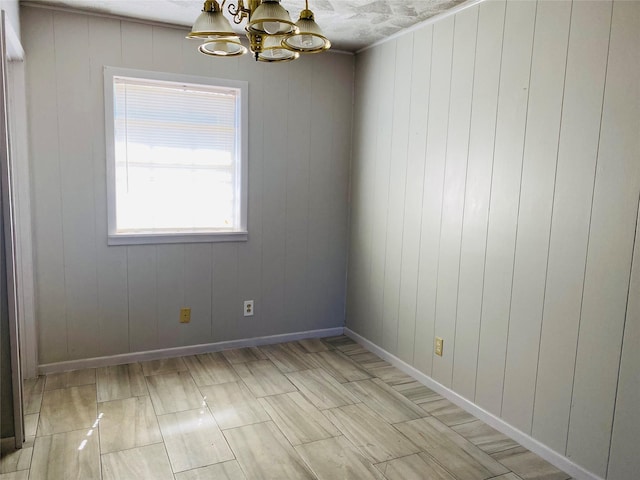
[
  {"x": 185, "y": 315},
  {"x": 248, "y": 308},
  {"x": 439, "y": 346}
]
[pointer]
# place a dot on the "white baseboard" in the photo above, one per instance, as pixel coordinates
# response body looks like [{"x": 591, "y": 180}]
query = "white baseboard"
[
  {"x": 181, "y": 351},
  {"x": 553, "y": 457}
]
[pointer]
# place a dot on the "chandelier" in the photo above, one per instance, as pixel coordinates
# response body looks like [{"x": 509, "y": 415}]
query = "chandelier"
[{"x": 273, "y": 37}]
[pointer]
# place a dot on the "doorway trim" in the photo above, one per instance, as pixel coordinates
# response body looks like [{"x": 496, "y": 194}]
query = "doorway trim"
[{"x": 9, "y": 237}]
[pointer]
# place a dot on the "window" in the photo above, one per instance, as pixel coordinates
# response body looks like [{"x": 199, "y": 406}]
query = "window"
[{"x": 176, "y": 158}]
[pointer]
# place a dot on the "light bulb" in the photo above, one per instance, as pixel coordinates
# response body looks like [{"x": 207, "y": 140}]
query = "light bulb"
[
  {"x": 279, "y": 53},
  {"x": 274, "y": 53},
  {"x": 307, "y": 40},
  {"x": 220, "y": 48},
  {"x": 271, "y": 27}
]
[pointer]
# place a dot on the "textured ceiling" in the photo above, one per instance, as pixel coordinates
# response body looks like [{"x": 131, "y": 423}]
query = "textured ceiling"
[{"x": 349, "y": 24}]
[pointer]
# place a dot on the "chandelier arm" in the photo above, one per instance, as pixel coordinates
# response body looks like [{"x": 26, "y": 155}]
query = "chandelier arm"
[
  {"x": 231, "y": 7},
  {"x": 282, "y": 45},
  {"x": 239, "y": 12}
]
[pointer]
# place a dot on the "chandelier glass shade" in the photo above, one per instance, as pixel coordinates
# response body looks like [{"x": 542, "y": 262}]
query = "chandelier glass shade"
[
  {"x": 309, "y": 38},
  {"x": 271, "y": 18},
  {"x": 273, "y": 37},
  {"x": 272, "y": 50},
  {"x": 223, "y": 47},
  {"x": 211, "y": 23}
]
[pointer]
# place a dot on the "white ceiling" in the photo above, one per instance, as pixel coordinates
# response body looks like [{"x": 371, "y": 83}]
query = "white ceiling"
[{"x": 349, "y": 24}]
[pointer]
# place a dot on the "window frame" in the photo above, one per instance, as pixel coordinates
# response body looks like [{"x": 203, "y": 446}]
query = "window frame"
[{"x": 113, "y": 238}]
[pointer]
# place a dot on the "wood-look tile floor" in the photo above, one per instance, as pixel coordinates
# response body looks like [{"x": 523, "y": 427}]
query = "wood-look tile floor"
[{"x": 313, "y": 409}]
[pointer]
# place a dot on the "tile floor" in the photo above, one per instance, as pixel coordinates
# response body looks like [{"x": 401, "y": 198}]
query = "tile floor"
[{"x": 313, "y": 409}]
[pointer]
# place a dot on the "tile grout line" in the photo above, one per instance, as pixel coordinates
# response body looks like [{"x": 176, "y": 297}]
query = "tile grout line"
[{"x": 392, "y": 381}]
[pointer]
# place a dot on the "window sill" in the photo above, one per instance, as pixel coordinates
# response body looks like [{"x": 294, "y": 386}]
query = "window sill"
[{"x": 160, "y": 238}]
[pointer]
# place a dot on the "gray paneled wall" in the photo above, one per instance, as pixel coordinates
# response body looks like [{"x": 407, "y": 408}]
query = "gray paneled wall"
[
  {"x": 495, "y": 186},
  {"x": 95, "y": 300}
]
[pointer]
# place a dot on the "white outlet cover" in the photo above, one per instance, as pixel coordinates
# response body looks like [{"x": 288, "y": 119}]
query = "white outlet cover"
[{"x": 248, "y": 308}]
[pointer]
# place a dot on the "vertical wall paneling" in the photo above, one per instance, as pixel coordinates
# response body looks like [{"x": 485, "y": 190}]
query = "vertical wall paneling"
[
  {"x": 478, "y": 183},
  {"x": 113, "y": 317},
  {"x": 220, "y": 69},
  {"x": 250, "y": 253},
  {"x": 274, "y": 194},
  {"x": 381, "y": 182},
  {"x": 418, "y": 115},
  {"x": 368, "y": 168},
  {"x": 624, "y": 461},
  {"x": 319, "y": 173},
  {"x": 337, "y": 178},
  {"x": 534, "y": 216},
  {"x": 166, "y": 50},
  {"x": 47, "y": 201},
  {"x": 192, "y": 61},
  {"x": 505, "y": 197},
  {"x": 226, "y": 298},
  {"x": 143, "y": 294},
  {"x": 610, "y": 248},
  {"x": 226, "y": 306},
  {"x": 93, "y": 299},
  {"x": 297, "y": 188},
  {"x": 137, "y": 42},
  {"x": 519, "y": 252},
  {"x": 226, "y": 302},
  {"x": 21, "y": 179},
  {"x": 166, "y": 56},
  {"x": 361, "y": 215},
  {"x": 224, "y": 69},
  {"x": 170, "y": 273},
  {"x": 457, "y": 149},
  {"x": 197, "y": 294},
  {"x": 441, "y": 56},
  {"x": 397, "y": 187},
  {"x": 79, "y": 242},
  {"x": 579, "y": 133}
]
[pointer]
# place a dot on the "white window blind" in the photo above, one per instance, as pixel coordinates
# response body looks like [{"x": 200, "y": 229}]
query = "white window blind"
[{"x": 177, "y": 151}]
